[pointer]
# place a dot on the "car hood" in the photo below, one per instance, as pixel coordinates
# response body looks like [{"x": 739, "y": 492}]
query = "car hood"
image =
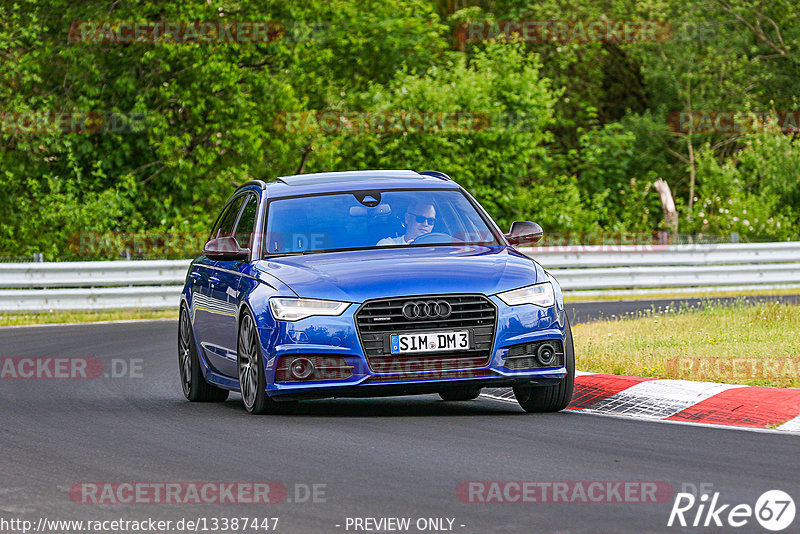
[{"x": 356, "y": 276}]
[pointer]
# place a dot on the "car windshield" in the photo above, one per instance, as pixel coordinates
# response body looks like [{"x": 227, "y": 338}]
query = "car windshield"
[{"x": 373, "y": 219}]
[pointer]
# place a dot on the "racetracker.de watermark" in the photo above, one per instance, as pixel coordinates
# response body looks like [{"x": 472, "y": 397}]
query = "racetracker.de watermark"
[
  {"x": 195, "y": 492},
  {"x": 568, "y": 491},
  {"x": 116, "y": 493},
  {"x": 734, "y": 368},
  {"x": 599, "y": 242},
  {"x": 71, "y": 122},
  {"x": 399, "y": 121},
  {"x": 565, "y": 31},
  {"x": 136, "y": 243},
  {"x": 68, "y": 368},
  {"x": 177, "y": 492},
  {"x": 733, "y": 121},
  {"x": 405, "y": 121},
  {"x": 174, "y": 32}
]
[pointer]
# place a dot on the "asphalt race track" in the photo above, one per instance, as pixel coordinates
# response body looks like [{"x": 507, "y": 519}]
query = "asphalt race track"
[{"x": 377, "y": 458}]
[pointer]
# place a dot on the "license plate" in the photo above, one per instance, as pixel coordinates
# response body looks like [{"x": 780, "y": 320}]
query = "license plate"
[{"x": 429, "y": 342}]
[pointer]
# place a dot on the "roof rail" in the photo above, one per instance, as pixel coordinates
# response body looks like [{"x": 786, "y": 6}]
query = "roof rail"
[
  {"x": 259, "y": 183},
  {"x": 436, "y": 174},
  {"x": 347, "y": 176}
]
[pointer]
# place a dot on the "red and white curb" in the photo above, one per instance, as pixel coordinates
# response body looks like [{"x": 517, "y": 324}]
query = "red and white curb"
[{"x": 682, "y": 400}]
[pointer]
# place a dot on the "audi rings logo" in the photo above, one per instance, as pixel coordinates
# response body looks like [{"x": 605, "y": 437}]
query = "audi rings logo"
[{"x": 427, "y": 309}]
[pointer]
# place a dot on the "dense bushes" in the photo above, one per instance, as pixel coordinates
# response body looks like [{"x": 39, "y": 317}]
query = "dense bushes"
[{"x": 577, "y": 132}]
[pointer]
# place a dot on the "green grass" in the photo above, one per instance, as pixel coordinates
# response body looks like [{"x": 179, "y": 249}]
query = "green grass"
[
  {"x": 735, "y": 343},
  {"x": 576, "y": 297},
  {"x": 18, "y": 319}
]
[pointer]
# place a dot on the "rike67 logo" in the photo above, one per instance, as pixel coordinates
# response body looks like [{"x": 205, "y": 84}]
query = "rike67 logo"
[{"x": 774, "y": 510}]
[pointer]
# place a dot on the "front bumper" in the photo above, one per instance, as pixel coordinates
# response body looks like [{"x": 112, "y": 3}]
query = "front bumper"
[{"x": 338, "y": 337}]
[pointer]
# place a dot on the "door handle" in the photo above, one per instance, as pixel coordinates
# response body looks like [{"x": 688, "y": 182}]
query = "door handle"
[
  {"x": 213, "y": 279},
  {"x": 196, "y": 276}
]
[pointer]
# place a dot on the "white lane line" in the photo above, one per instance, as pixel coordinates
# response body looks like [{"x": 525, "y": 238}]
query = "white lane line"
[
  {"x": 792, "y": 425},
  {"x": 686, "y": 423},
  {"x": 507, "y": 396},
  {"x": 657, "y": 399}
]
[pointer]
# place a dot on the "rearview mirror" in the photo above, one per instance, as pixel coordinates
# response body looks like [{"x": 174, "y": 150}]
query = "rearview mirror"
[
  {"x": 361, "y": 211},
  {"x": 524, "y": 233},
  {"x": 226, "y": 248}
]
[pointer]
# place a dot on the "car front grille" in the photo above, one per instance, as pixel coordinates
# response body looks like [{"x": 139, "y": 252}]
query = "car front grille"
[{"x": 378, "y": 319}]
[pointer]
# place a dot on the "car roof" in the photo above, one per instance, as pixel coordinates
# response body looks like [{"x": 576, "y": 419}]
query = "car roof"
[{"x": 331, "y": 182}]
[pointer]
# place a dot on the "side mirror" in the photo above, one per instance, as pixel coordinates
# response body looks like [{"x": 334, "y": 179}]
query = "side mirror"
[
  {"x": 524, "y": 233},
  {"x": 226, "y": 248}
]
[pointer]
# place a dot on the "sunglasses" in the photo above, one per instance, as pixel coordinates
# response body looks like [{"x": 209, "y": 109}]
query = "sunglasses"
[{"x": 421, "y": 220}]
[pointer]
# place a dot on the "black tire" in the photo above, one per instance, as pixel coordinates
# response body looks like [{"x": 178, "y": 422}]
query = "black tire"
[
  {"x": 460, "y": 394},
  {"x": 252, "y": 376},
  {"x": 537, "y": 399},
  {"x": 195, "y": 388}
]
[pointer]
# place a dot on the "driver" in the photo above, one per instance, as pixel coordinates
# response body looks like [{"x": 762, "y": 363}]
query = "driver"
[{"x": 419, "y": 220}]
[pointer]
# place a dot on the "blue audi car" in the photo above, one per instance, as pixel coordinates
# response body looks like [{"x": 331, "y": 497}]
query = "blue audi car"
[{"x": 369, "y": 283}]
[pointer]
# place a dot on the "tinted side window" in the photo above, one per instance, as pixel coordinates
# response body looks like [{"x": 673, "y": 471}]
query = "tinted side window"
[
  {"x": 220, "y": 218},
  {"x": 224, "y": 226},
  {"x": 247, "y": 221}
]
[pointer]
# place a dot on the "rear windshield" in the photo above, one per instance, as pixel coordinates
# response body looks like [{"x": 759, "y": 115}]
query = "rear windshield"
[{"x": 373, "y": 219}]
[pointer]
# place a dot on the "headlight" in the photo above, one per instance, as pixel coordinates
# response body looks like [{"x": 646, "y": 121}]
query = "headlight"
[
  {"x": 294, "y": 309},
  {"x": 541, "y": 295}
]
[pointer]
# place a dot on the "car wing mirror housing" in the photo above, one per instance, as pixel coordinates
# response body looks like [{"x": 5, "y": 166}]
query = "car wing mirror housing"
[
  {"x": 226, "y": 248},
  {"x": 524, "y": 233}
]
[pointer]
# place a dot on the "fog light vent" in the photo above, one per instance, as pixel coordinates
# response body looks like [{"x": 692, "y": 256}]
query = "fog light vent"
[
  {"x": 308, "y": 368},
  {"x": 301, "y": 368},
  {"x": 535, "y": 355},
  {"x": 546, "y": 354}
]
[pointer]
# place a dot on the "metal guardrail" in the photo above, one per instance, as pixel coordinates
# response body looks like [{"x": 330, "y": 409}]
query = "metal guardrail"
[
  {"x": 91, "y": 285},
  {"x": 93, "y": 273},
  {"x": 581, "y": 270},
  {"x": 583, "y": 256},
  {"x": 104, "y": 298},
  {"x": 629, "y": 269}
]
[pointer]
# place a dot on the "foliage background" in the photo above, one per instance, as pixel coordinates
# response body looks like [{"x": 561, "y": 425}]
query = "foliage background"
[{"x": 595, "y": 132}]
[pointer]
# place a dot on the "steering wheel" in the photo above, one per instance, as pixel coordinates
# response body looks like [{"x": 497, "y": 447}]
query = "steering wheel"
[{"x": 438, "y": 238}]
